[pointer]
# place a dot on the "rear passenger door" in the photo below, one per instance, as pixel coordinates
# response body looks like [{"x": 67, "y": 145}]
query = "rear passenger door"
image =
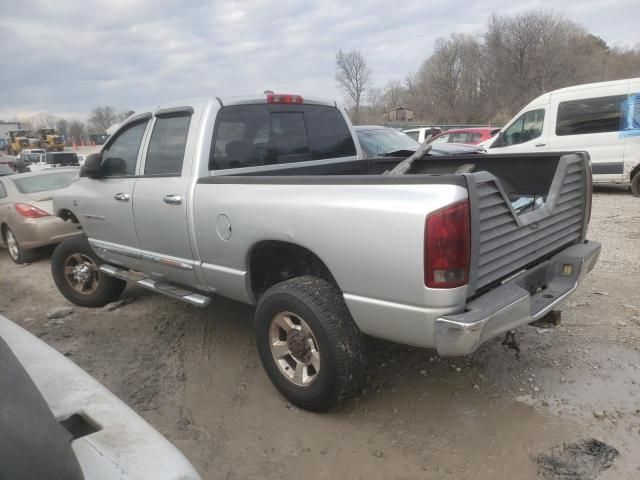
[{"x": 160, "y": 205}]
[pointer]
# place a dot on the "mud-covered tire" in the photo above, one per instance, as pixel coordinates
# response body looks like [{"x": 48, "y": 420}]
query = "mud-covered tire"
[
  {"x": 102, "y": 289},
  {"x": 339, "y": 342},
  {"x": 635, "y": 185},
  {"x": 18, "y": 254}
]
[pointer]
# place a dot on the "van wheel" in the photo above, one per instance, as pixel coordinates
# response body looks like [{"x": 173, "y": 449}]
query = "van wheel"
[
  {"x": 635, "y": 185},
  {"x": 308, "y": 343},
  {"x": 74, "y": 267}
]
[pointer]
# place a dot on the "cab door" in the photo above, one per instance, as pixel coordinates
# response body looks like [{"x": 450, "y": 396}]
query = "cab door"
[
  {"x": 161, "y": 202},
  {"x": 105, "y": 203},
  {"x": 527, "y": 133}
]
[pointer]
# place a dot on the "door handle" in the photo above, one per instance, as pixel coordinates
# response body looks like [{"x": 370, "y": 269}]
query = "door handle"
[
  {"x": 172, "y": 199},
  {"x": 540, "y": 144},
  {"x": 122, "y": 197}
]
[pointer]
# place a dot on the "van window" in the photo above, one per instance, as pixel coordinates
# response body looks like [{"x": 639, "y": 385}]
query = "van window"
[
  {"x": 591, "y": 115},
  {"x": 527, "y": 127},
  {"x": 254, "y": 135}
]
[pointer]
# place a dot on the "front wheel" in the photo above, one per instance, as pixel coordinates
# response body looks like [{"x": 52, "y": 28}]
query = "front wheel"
[
  {"x": 308, "y": 343},
  {"x": 74, "y": 267},
  {"x": 635, "y": 185}
]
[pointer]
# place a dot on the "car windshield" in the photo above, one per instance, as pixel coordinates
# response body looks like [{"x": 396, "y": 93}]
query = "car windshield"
[
  {"x": 45, "y": 183},
  {"x": 380, "y": 141}
]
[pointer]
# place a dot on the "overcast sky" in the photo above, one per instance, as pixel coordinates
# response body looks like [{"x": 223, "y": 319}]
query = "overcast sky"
[{"x": 68, "y": 56}]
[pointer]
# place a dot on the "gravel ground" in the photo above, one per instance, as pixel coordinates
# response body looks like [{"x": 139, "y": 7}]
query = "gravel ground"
[{"x": 195, "y": 375}]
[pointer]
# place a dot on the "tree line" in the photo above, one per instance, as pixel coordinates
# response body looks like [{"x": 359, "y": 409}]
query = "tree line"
[
  {"x": 487, "y": 78},
  {"x": 100, "y": 119}
]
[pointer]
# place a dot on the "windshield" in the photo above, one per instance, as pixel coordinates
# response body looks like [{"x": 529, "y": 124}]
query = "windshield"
[
  {"x": 380, "y": 141},
  {"x": 44, "y": 183}
]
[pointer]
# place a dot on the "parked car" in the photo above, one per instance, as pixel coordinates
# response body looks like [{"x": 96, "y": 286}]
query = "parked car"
[
  {"x": 472, "y": 136},
  {"x": 58, "y": 422},
  {"x": 26, "y": 212},
  {"x": 379, "y": 141},
  {"x": 422, "y": 133},
  {"x": 30, "y": 153},
  {"x": 383, "y": 141},
  {"x": 270, "y": 201},
  {"x": 598, "y": 118}
]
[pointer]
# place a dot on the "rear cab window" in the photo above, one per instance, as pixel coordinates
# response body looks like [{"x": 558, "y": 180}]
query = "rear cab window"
[{"x": 267, "y": 134}]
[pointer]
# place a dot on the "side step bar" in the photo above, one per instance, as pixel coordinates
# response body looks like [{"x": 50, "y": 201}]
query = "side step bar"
[{"x": 167, "y": 289}]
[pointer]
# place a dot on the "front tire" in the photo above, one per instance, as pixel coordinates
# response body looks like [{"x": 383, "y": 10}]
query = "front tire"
[
  {"x": 308, "y": 343},
  {"x": 74, "y": 267},
  {"x": 635, "y": 185}
]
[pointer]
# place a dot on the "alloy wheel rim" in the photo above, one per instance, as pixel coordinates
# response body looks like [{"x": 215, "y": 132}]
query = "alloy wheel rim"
[
  {"x": 294, "y": 349},
  {"x": 81, "y": 273},
  {"x": 12, "y": 245}
]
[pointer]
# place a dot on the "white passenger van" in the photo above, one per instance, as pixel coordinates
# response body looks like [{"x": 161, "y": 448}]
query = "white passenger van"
[{"x": 600, "y": 118}]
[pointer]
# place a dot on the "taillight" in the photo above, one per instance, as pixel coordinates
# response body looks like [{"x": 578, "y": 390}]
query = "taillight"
[
  {"x": 29, "y": 211},
  {"x": 284, "y": 98},
  {"x": 447, "y": 243},
  {"x": 589, "y": 191}
]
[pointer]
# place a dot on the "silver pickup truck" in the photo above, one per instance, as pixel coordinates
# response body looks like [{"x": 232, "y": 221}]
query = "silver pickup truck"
[{"x": 269, "y": 201}]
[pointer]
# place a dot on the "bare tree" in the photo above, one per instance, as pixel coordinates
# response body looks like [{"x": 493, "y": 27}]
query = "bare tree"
[
  {"x": 102, "y": 118},
  {"x": 77, "y": 130},
  {"x": 62, "y": 126},
  {"x": 354, "y": 77},
  {"x": 393, "y": 95}
]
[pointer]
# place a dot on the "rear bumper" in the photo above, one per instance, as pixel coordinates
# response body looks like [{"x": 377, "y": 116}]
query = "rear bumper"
[
  {"x": 38, "y": 232},
  {"x": 519, "y": 301}
]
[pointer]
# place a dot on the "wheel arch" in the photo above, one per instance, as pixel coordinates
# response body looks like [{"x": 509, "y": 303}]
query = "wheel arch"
[
  {"x": 273, "y": 261},
  {"x": 66, "y": 214},
  {"x": 634, "y": 171}
]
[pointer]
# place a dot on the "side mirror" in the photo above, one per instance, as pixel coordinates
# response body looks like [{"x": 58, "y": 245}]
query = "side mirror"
[{"x": 92, "y": 166}]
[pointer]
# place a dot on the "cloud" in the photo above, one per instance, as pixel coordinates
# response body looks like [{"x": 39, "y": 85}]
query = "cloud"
[{"x": 71, "y": 56}]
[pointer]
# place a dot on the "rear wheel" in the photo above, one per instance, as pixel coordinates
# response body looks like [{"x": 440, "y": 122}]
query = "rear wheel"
[
  {"x": 308, "y": 343},
  {"x": 18, "y": 254},
  {"x": 74, "y": 267},
  {"x": 635, "y": 185}
]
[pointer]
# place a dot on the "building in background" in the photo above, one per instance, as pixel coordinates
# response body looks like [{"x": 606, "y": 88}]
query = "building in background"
[
  {"x": 6, "y": 127},
  {"x": 400, "y": 114}
]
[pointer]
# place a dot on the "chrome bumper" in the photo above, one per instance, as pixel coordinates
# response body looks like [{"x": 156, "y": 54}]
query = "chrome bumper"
[{"x": 519, "y": 301}]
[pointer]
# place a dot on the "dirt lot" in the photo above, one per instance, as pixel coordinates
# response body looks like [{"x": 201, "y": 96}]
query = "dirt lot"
[{"x": 194, "y": 374}]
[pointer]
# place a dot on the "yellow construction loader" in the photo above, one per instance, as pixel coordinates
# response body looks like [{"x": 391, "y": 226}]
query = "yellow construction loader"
[
  {"x": 17, "y": 141},
  {"x": 50, "y": 140}
]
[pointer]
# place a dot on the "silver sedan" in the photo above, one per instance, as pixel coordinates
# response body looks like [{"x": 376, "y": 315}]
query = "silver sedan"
[{"x": 26, "y": 211}]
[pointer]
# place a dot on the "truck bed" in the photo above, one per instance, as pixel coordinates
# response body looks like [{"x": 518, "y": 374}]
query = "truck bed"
[{"x": 504, "y": 239}]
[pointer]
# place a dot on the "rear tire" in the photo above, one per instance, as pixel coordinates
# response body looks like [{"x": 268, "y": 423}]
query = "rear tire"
[
  {"x": 18, "y": 254},
  {"x": 635, "y": 185},
  {"x": 308, "y": 343},
  {"x": 74, "y": 267}
]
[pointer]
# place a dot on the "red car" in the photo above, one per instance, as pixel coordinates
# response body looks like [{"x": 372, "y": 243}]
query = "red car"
[{"x": 471, "y": 136}]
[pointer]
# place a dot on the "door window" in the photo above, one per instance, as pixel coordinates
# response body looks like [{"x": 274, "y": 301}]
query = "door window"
[
  {"x": 167, "y": 145},
  {"x": 120, "y": 156},
  {"x": 442, "y": 139},
  {"x": 591, "y": 115},
  {"x": 527, "y": 127}
]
